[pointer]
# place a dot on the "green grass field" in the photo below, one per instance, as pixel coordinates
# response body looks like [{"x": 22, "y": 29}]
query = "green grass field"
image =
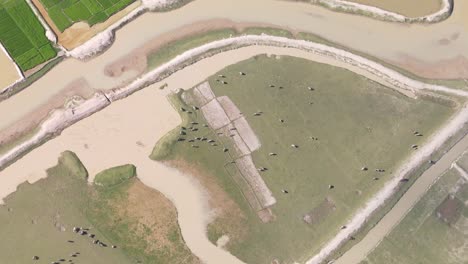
[
  {"x": 422, "y": 236},
  {"x": 64, "y": 13},
  {"x": 22, "y": 35},
  {"x": 356, "y": 123},
  {"x": 115, "y": 176},
  {"x": 38, "y": 220}
]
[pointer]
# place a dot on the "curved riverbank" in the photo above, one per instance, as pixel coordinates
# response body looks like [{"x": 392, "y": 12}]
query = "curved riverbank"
[
  {"x": 379, "y": 13},
  {"x": 341, "y": 28},
  {"x": 11, "y": 73},
  {"x": 341, "y": 58}
]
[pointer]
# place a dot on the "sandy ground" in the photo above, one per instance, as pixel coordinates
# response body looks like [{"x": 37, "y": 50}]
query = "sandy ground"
[
  {"x": 80, "y": 32},
  {"x": 9, "y": 71},
  {"x": 414, "y": 8},
  {"x": 128, "y": 129}
]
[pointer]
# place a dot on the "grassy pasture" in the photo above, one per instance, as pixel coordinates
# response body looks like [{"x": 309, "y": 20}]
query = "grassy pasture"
[
  {"x": 423, "y": 236},
  {"x": 22, "y": 35},
  {"x": 38, "y": 219},
  {"x": 345, "y": 123},
  {"x": 64, "y": 13}
]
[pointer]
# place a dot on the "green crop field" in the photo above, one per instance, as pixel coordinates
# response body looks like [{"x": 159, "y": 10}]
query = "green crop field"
[
  {"x": 434, "y": 231},
  {"x": 22, "y": 35},
  {"x": 39, "y": 218},
  {"x": 66, "y": 12},
  {"x": 344, "y": 123}
]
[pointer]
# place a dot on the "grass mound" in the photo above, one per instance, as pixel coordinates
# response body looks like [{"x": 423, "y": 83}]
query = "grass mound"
[
  {"x": 70, "y": 161},
  {"x": 115, "y": 175}
]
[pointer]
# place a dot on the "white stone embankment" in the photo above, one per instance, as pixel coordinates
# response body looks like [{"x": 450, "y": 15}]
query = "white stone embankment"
[{"x": 375, "y": 12}]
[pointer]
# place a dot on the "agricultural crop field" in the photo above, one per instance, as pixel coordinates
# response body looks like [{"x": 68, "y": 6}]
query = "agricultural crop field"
[
  {"x": 434, "y": 231},
  {"x": 64, "y": 13},
  {"x": 318, "y": 127},
  {"x": 22, "y": 35},
  {"x": 39, "y": 218}
]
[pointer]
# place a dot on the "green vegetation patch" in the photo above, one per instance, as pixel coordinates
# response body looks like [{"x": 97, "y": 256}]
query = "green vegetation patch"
[
  {"x": 340, "y": 123},
  {"x": 114, "y": 176},
  {"x": 22, "y": 35},
  {"x": 38, "y": 220},
  {"x": 434, "y": 231},
  {"x": 65, "y": 13},
  {"x": 69, "y": 161}
]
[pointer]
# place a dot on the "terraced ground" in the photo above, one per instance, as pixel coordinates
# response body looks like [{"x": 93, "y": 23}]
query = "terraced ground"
[
  {"x": 22, "y": 35},
  {"x": 65, "y": 13},
  {"x": 39, "y": 218},
  {"x": 343, "y": 123},
  {"x": 434, "y": 231}
]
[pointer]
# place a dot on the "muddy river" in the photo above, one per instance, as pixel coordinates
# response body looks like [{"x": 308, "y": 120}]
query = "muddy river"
[
  {"x": 411, "y": 45},
  {"x": 129, "y": 128}
]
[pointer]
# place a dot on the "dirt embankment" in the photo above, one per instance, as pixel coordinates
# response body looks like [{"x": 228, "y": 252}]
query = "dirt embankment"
[{"x": 77, "y": 87}]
